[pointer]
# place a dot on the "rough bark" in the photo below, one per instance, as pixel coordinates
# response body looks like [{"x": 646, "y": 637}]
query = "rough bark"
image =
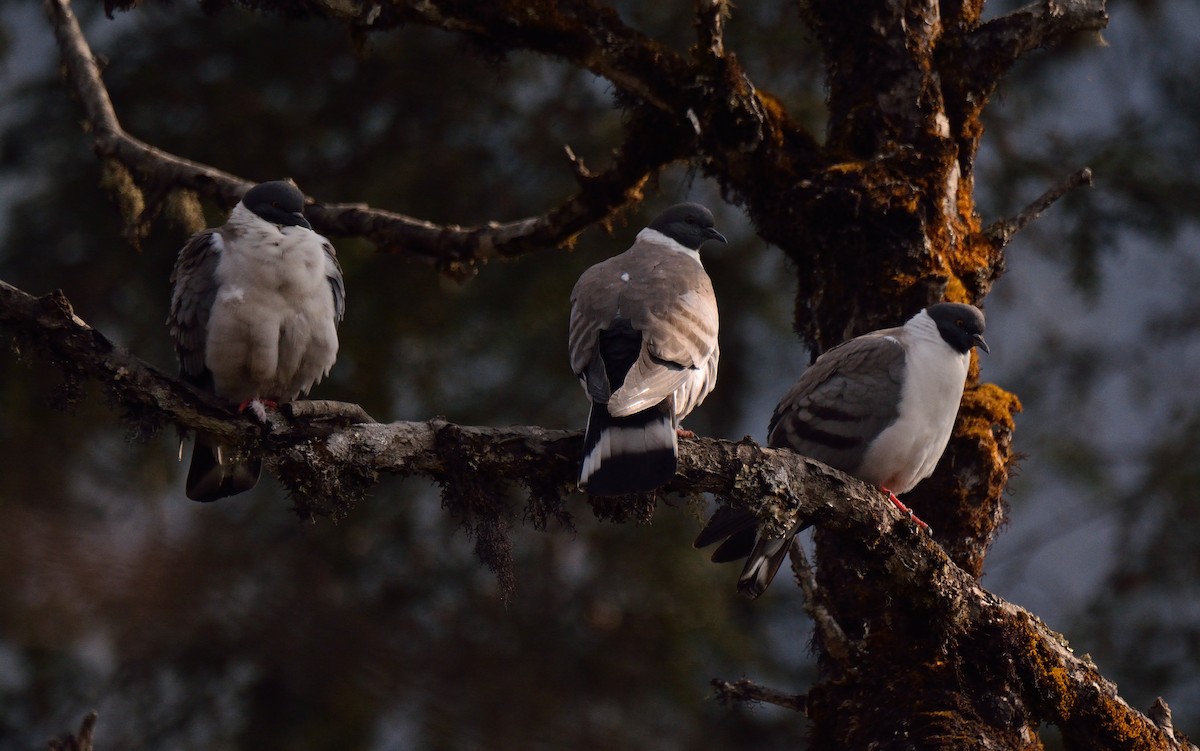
[
  {"x": 879, "y": 220},
  {"x": 908, "y": 82}
]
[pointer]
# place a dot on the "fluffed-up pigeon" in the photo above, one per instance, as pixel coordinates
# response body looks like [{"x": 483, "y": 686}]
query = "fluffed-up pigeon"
[
  {"x": 643, "y": 342},
  {"x": 880, "y": 407},
  {"x": 254, "y": 315}
]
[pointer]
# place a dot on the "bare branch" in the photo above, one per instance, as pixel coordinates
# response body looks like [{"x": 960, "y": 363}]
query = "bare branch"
[
  {"x": 985, "y": 54},
  {"x": 1002, "y": 231},
  {"x": 583, "y": 32},
  {"x": 472, "y": 462},
  {"x": 111, "y": 139},
  {"x": 453, "y": 249},
  {"x": 833, "y": 637},
  {"x": 710, "y": 27},
  {"x": 649, "y": 146},
  {"x": 748, "y": 691}
]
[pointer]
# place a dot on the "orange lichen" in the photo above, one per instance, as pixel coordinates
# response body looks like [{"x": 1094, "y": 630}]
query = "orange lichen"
[
  {"x": 955, "y": 291},
  {"x": 986, "y": 407},
  {"x": 846, "y": 167}
]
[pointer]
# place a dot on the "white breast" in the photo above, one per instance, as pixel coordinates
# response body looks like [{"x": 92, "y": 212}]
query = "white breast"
[
  {"x": 908, "y": 450},
  {"x": 272, "y": 332}
]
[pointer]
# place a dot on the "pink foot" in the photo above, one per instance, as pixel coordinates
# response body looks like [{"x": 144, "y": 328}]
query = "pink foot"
[
  {"x": 258, "y": 407},
  {"x": 265, "y": 402},
  {"x": 906, "y": 510},
  {"x": 682, "y": 433}
]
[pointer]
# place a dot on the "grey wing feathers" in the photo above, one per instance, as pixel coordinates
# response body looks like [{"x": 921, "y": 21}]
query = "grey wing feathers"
[
  {"x": 589, "y": 313},
  {"x": 195, "y": 288},
  {"x": 842, "y": 402},
  {"x": 333, "y": 272}
]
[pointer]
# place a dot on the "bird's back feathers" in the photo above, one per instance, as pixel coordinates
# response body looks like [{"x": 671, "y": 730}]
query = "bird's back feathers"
[{"x": 643, "y": 339}]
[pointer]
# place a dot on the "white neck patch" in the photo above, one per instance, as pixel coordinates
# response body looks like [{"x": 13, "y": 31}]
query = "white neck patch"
[{"x": 654, "y": 237}]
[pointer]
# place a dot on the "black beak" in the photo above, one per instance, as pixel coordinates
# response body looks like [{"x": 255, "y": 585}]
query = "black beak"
[
  {"x": 977, "y": 340},
  {"x": 301, "y": 221},
  {"x": 712, "y": 234}
]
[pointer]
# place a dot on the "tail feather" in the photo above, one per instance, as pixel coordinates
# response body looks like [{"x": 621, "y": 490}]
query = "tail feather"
[
  {"x": 634, "y": 454},
  {"x": 731, "y": 522},
  {"x": 738, "y": 528},
  {"x": 214, "y": 475},
  {"x": 763, "y": 563}
]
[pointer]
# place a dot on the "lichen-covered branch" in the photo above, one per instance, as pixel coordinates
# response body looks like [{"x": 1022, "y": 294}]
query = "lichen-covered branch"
[
  {"x": 710, "y": 27},
  {"x": 328, "y": 466},
  {"x": 453, "y": 249},
  {"x": 829, "y": 631}
]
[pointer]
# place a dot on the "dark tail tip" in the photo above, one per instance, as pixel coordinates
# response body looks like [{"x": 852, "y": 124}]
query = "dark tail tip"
[{"x": 209, "y": 479}]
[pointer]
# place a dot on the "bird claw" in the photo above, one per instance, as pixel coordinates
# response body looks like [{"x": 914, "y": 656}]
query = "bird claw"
[
  {"x": 684, "y": 433},
  {"x": 908, "y": 512},
  {"x": 258, "y": 407}
]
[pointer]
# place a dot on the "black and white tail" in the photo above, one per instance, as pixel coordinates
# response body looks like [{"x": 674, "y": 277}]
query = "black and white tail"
[{"x": 634, "y": 454}]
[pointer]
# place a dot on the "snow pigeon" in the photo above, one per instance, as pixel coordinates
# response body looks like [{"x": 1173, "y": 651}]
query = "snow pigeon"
[
  {"x": 643, "y": 342},
  {"x": 880, "y": 407},
  {"x": 254, "y": 315}
]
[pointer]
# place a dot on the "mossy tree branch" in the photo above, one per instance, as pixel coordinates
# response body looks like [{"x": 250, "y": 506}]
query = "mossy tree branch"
[{"x": 328, "y": 466}]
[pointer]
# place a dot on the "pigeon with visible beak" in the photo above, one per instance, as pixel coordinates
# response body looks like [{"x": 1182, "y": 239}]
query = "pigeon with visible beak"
[
  {"x": 880, "y": 407},
  {"x": 254, "y": 314},
  {"x": 643, "y": 342}
]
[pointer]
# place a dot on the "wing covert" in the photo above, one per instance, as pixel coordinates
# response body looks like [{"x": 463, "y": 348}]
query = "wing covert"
[
  {"x": 842, "y": 402},
  {"x": 195, "y": 288}
]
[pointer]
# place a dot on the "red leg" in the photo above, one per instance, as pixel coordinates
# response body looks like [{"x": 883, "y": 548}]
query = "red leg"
[
  {"x": 906, "y": 510},
  {"x": 258, "y": 407},
  {"x": 268, "y": 403}
]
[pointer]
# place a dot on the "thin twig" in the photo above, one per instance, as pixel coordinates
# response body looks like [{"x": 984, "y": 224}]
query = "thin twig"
[
  {"x": 1002, "y": 231},
  {"x": 747, "y": 691},
  {"x": 834, "y": 638}
]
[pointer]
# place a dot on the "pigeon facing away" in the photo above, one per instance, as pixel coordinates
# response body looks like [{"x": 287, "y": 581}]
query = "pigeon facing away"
[
  {"x": 879, "y": 407},
  {"x": 254, "y": 315},
  {"x": 643, "y": 342}
]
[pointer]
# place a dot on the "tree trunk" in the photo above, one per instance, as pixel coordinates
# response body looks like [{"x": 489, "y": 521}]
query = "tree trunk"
[{"x": 889, "y": 225}]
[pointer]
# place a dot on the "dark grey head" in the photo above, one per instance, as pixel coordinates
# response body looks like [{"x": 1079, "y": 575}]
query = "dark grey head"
[
  {"x": 278, "y": 202},
  {"x": 688, "y": 224},
  {"x": 960, "y": 325}
]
